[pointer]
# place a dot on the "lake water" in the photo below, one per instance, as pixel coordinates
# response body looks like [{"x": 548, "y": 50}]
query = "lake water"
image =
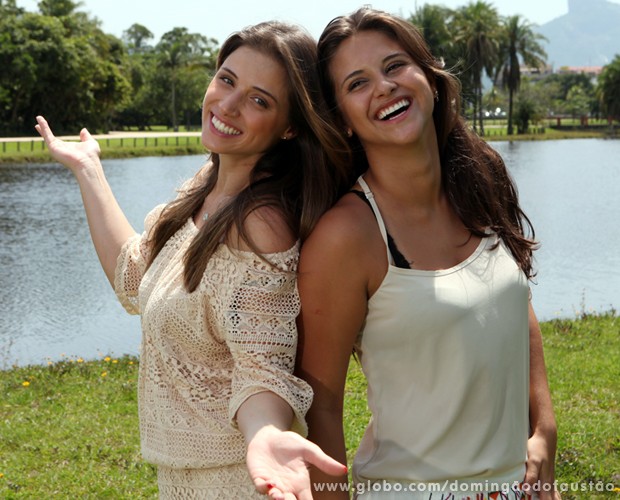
[{"x": 55, "y": 299}]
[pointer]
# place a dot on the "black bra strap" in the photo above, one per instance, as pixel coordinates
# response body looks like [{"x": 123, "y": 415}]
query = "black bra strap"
[{"x": 399, "y": 258}]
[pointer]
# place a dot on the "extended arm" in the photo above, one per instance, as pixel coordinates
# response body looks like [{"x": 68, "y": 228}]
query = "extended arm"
[
  {"x": 109, "y": 228},
  {"x": 542, "y": 443},
  {"x": 267, "y": 398},
  {"x": 333, "y": 292}
]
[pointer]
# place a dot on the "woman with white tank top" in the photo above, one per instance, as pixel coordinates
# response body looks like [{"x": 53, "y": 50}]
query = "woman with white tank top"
[{"x": 422, "y": 270}]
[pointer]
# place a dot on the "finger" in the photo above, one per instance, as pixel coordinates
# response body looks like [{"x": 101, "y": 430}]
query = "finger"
[
  {"x": 44, "y": 129},
  {"x": 275, "y": 493},
  {"x": 317, "y": 457},
  {"x": 85, "y": 135},
  {"x": 532, "y": 474},
  {"x": 262, "y": 486}
]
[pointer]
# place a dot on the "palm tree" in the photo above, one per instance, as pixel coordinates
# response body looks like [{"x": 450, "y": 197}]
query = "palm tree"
[
  {"x": 179, "y": 50},
  {"x": 519, "y": 42},
  {"x": 477, "y": 28},
  {"x": 608, "y": 89},
  {"x": 432, "y": 21}
]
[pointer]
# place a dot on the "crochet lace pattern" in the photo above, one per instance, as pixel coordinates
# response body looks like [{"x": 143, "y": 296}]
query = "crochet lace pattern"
[{"x": 204, "y": 353}]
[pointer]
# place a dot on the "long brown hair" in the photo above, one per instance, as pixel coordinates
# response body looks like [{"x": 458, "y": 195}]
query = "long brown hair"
[
  {"x": 474, "y": 175},
  {"x": 300, "y": 177}
]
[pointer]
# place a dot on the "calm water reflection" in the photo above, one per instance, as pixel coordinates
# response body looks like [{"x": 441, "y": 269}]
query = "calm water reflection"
[
  {"x": 56, "y": 300},
  {"x": 55, "y": 297}
]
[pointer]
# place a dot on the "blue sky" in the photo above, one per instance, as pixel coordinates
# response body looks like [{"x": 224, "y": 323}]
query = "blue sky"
[{"x": 219, "y": 19}]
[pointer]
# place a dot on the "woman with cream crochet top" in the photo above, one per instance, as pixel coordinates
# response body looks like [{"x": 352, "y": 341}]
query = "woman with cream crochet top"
[{"x": 213, "y": 276}]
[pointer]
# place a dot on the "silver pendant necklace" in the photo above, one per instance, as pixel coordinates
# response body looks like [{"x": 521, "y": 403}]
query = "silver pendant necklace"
[{"x": 205, "y": 216}]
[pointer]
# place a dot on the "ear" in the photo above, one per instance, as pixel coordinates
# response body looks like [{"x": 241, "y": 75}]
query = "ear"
[{"x": 289, "y": 133}]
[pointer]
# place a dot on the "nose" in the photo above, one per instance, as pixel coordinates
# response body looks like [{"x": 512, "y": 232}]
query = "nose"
[
  {"x": 229, "y": 105},
  {"x": 385, "y": 86}
]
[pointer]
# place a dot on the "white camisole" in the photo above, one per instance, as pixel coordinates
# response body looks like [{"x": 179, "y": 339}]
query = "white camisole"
[{"x": 446, "y": 356}]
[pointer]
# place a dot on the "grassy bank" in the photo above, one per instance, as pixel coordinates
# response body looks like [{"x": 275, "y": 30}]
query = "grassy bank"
[
  {"x": 69, "y": 429},
  {"x": 34, "y": 151}
]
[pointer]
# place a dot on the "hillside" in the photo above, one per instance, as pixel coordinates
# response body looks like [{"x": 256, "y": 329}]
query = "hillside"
[{"x": 589, "y": 35}]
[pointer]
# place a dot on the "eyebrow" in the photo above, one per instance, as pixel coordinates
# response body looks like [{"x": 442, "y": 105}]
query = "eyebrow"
[
  {"x": 259, "y": 89},
  {"x": 383, "y": 61}
]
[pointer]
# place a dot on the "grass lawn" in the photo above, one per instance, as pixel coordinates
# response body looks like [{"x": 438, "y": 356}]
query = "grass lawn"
[{"x": 70, "y": 430}]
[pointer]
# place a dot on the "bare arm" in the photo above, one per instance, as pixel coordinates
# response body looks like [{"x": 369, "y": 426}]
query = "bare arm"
[
  {"x": 333, "y": 290},
  {"x": 277, "y": 458},
  {"x": 542, "y": 443},
  {"x": 109, "y": 228}
]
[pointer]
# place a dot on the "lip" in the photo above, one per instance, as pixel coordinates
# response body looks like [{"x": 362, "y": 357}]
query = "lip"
[
  {"x": 397, "y": 101},
  {"x": 221, "y": 127}
]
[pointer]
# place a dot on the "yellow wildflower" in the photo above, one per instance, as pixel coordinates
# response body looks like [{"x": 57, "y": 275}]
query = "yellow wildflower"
[
  {"x": 80, "y": 360},
  {"x": 115, "y": 361},
  {"x": 107, "y": 359},
  {"x": 104, "y": 374},
  {"x": 25, "y": 383}
]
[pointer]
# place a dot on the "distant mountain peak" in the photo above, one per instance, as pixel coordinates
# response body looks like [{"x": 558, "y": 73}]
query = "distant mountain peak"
[{"x": 586, "y": 36}]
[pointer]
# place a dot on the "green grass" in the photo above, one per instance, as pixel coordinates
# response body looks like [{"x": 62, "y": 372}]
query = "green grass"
[
  {"x": 34, "y": 151},
  {"x": 70, "y": 430}
]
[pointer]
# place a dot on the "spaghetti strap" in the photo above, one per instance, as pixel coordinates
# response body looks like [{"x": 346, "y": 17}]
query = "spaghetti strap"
[{"x": 375, "y": 208}]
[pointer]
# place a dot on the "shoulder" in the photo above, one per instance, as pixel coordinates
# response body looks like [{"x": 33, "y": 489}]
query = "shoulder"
[
  {"x": 344, "y": 242},
  {"x": 343, "y": 230},
  {"x": 267, "y": 229}
]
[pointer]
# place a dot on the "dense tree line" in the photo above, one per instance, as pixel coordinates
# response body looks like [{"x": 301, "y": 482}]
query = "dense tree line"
[{"x": 59, "y": 62}]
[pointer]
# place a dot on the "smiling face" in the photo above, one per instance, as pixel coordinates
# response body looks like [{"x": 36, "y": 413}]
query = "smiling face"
[
  {"x": 383, "y": 95},
  {"x": 246, "y": 106}
]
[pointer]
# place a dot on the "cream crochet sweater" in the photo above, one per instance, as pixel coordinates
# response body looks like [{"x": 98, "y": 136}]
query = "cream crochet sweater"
[{"x": 204, "y": 353}]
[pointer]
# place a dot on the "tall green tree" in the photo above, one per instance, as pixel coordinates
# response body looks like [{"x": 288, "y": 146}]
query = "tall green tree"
[
  {"x": 608, "y": 89},
  {"x": 518, "y": 43},
  {"x": 58, "y": 8},
  {"x": 433, "y": 21},
  {"x": 136, "y": 37},
  {"x": 179, "y": 52},
  {"x": 477, "y": 27},
  {"x": 62, "y": 66}
]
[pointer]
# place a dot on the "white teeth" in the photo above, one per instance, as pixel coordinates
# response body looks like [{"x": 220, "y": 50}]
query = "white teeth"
[
  {"x": 222, "y": 127},
  {"x": 394, "y": 107}
]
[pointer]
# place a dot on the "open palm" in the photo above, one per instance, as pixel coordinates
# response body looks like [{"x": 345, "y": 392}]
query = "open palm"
[
  {"x": 278, "y": 464},
  {"x": 73, "y": 155}
]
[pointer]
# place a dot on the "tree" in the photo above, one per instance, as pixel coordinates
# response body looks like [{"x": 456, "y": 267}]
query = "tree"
[
  {"x": 577, "y": 102},
  {"x": 136, "y": 36},
  {"x": 518, "y": 42},
  {"x": 608, "y": 89},
  {"x": 529, "y": 106},
  {"x": 10, "y": 8},
  {"x": 58, "y": 8},
  {"x": 476, "y": 31},
  {"x": 63, "y": 66},
  {"x": 178, "y": 51},
  {"x": 432, "y": 21}
]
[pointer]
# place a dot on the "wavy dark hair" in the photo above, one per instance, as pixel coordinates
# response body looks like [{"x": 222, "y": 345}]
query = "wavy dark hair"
[
  {"x": 474, "y": 176},
  {"x": 300, "y": 177}
]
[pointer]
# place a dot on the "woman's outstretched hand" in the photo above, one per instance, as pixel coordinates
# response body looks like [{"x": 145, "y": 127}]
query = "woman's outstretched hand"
[
  {"x": 73, "y": 155},
  {"x": 279, "y": 461}
]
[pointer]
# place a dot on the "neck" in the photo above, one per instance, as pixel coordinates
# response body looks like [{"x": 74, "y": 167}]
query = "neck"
[
  {"x": 406, "y": 176},
  {"x": 232, "y": 177}
]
